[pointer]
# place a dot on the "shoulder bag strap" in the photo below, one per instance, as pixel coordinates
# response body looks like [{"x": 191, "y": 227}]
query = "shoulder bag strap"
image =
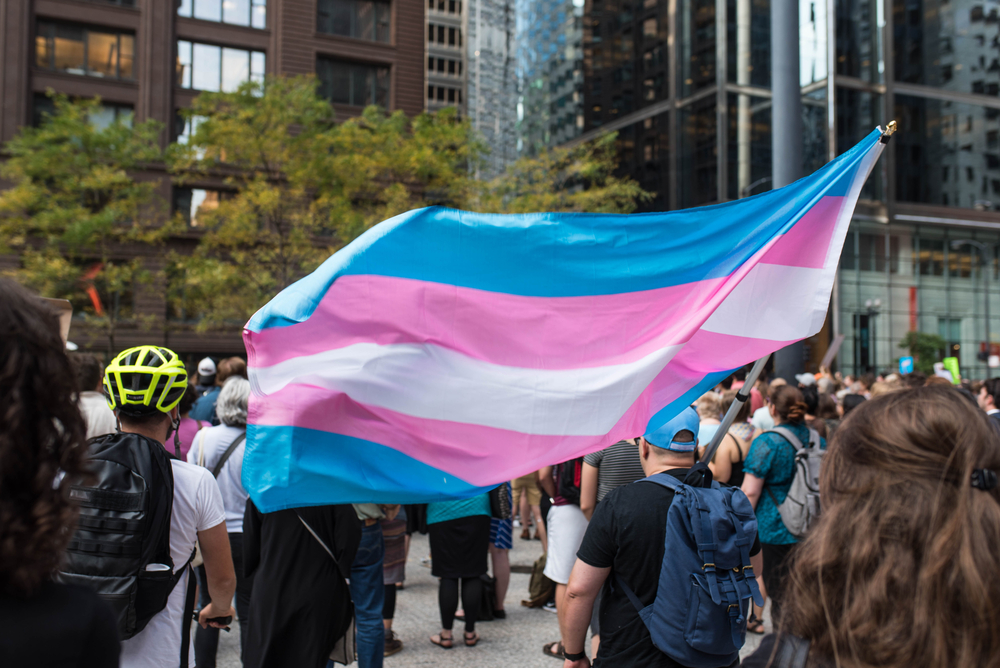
[
  {"x": 318, "y": 540},
  {"x": 814, "y": 439},
  {"x": 225, "y": 455}
]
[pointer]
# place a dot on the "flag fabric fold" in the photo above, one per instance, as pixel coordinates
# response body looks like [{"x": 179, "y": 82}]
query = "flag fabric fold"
[{"x": 443, "y": 352}]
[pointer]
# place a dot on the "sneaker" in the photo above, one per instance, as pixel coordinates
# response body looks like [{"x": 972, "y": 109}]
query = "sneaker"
[
  {"x": 517, "y": 523},
  {"x": 549, "y": 607},
  {"x": 393, "y": 645},
  {"x": 426, "y": 562}
]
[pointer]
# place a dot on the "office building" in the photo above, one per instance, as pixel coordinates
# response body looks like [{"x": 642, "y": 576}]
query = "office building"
[
  {"x": 492, "y": 80},
  {"x": 147, "y": 60},
  {"x": 550, "y": 71},
  {"x": 687, "y": 86}
]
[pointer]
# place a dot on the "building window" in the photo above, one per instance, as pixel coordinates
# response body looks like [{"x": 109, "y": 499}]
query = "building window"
[
  {"x": 216, "y": 68},
  {"x": 363, "y": 19},
  {"x": 353, "y": 83},
  {"x": 122, "y": 3},
  {"x": 444, "y": 94},
  {"x": 251, "y": 13},
  {"x": 193, "y": 204},
  {"x": 100, "y": 118},
  {"x": 76, "y": 49}
]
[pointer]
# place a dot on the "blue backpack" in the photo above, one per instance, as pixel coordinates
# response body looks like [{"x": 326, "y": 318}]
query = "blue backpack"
[{"x": 699, "y": 616}]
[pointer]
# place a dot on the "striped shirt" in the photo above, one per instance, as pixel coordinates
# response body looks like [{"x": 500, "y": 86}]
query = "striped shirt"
[{"x": 617, "y": 465}]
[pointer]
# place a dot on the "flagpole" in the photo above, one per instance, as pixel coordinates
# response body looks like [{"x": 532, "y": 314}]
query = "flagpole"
[{"x": 741, "y": 398}]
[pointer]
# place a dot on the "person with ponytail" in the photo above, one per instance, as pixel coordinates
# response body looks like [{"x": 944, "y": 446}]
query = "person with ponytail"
[
  {"x": 768, "y": 472},
  {"x": 900, "y": 570}
]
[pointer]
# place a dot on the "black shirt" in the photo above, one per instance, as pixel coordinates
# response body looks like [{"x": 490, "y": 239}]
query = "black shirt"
[
  {"x": 626, "y": 534},
  {"x": 60, "y": 626}
]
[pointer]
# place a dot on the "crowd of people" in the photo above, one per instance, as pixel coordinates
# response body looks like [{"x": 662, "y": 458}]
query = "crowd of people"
[{"x": 117, "y": 482}]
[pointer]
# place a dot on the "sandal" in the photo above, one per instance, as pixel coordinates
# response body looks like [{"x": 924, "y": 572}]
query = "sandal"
[
  {"x": 471, "y": 640},
  {"x": 755, "y": 626},
  {"x": 554, "y": 649},
  {"x": 442, "y": 642}
]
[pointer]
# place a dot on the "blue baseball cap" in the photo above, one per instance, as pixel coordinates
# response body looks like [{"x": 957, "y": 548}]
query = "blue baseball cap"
[{"x": 664, "y": 436}]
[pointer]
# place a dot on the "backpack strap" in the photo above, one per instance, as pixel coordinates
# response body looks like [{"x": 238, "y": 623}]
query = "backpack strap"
[
  {"x": 225, "y": 455},
  {"x": 789, "y": 436},
  {"x": 702, "y": 526},
  {"x": 189, "y": 601}
]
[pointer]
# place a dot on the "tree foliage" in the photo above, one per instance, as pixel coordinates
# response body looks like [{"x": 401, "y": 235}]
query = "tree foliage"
[
  {"x": 924, "y": 348},
  {"x": 75, "y": 204},
  {"x": 295, "y": 184}
]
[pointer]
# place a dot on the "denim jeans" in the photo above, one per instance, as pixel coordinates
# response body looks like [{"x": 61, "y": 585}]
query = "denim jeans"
[{"x": 368, "y": 593}]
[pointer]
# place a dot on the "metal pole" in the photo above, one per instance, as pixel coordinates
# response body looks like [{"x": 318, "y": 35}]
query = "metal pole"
[
  {"x": 986, "y": 309},
  {"x": 786, "y": 133},
  {"x": 741, "y": 398}
]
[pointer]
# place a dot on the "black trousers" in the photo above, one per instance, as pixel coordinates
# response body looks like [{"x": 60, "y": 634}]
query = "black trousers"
[
  {"x": 472, "y": 596},
  {"x": 206, "y": 641},
  {"x": 776, "y": 575}
]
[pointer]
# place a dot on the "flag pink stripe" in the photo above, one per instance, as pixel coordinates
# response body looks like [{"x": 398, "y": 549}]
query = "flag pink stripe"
[
  {"x": 510, "y": 330},
  {"x": 528, "y": 332},
  {"x": 481, "y": 455},
  {"x": 807, "y": 243}
]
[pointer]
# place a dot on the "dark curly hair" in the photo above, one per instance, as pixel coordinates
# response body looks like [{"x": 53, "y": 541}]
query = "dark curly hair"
[{"x": 42, "y": 435}]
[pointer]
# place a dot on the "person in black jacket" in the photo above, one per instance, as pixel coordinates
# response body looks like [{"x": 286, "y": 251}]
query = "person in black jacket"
[
  {"x": 301, "y": 602},
  {"x": 42, "y": 455}
]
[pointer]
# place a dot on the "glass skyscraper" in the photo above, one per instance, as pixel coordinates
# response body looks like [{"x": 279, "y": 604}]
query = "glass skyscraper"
[{"x": 686, "y": 83}]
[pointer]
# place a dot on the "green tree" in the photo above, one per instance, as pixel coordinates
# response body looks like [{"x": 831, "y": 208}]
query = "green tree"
[
  {"x": 581, "y": 178},
  {"x": 301, "y": 185},
  {"x": 75, "y": 207},
  {"x": 924, "y": 348}
]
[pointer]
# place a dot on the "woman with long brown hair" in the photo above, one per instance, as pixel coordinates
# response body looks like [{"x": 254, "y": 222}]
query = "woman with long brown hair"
[
  {"x": 41, "y": 456},
  {"x": 768, "y": 472},
  {"x": 900, "y": 571}
]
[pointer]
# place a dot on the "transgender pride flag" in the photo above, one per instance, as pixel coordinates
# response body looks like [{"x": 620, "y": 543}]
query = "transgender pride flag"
[{"x": 443, "y": 352}]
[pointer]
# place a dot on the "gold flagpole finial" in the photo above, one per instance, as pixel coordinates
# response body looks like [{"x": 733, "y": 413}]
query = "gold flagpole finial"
[{"x": 889, "y": 131}]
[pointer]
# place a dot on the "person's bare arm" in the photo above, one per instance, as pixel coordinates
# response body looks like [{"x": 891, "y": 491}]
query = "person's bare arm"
[
  {"x": 722, "y": 464},
  {"x": 220, "y": 574},
  {"x": 752, "y": 487},
  {"x": 588, "y": 490},
  {"x": 585, "y": 583},
  {"x": 545, "y": 480}
]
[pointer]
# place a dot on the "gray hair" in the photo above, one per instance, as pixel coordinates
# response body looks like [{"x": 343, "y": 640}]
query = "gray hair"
[{"x": 232, "y": 404}]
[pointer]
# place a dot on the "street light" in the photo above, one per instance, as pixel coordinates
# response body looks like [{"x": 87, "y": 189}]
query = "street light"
[
  {"x": 983, "y": 250},
  {"x": 873, "y": 306}
]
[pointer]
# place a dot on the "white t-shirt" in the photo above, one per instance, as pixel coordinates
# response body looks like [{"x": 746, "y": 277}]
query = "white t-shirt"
[
  {"x": 215, "y": 440},
  {"x": 197, "y": 507},
  {"x": 100, "y": 419}
]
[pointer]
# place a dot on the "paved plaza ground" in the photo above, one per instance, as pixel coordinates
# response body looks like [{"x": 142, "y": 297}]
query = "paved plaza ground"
[{"x": 511, "y": 643}]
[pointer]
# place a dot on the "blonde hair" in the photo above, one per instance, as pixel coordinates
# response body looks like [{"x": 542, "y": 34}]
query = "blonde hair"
[{"x": 709, "y": 405}]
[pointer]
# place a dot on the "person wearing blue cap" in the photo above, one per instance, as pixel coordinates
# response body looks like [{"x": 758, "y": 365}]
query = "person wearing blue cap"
[{"x": 627, "y": 535}]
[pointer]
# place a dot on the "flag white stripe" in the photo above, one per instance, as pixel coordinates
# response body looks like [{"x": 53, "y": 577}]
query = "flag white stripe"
[{"x": 433, "y": 382}]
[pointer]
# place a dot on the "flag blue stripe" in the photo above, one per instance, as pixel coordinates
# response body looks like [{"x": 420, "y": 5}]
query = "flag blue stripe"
[
  {"x": 567, "y": 255},
  {"x": 291, "y": 467}
]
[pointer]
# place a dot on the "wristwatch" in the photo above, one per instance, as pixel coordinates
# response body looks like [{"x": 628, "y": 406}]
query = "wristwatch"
[{"x": 574, "y": 657}]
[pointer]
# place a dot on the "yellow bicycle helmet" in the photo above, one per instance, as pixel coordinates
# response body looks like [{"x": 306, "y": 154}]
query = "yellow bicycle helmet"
[{"x": 145, "y": 380}]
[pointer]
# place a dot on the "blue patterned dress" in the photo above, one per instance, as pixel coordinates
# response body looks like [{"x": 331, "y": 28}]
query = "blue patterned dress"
[
  {"x": 772, "y": 459},
  {"x": 502, "y": 531}
]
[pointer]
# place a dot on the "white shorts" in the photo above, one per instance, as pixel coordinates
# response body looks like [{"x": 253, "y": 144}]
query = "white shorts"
[{"x": 566, "y": 527}]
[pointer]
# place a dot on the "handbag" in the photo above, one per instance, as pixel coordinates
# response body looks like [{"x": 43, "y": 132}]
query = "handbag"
[
  {"x": 345, "y": 651},
  {"x": 500, "y": 503}
]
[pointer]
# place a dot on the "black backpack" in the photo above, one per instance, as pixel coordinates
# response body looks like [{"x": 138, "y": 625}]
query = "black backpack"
[
  {"x": 568, "y": 480},
  {"x": 121, "y": 548}
]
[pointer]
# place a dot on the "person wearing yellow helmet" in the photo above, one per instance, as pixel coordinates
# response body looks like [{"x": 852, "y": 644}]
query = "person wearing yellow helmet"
[
  {"x": 144, "y": 384},
  {"x": 146, "y": 512}
]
